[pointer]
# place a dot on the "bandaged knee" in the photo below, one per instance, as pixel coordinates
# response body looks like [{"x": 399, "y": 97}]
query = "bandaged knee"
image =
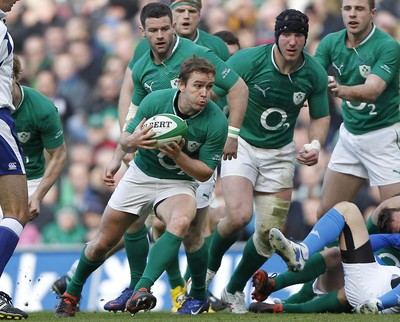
[{"x": 270, "y": 211}]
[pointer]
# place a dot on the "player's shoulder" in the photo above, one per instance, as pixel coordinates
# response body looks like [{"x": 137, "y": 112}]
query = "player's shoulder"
[
  {"x": 334, "y": 38},
  {"x": 159, "y": 96},
  {"x": 383, "y": 39}
]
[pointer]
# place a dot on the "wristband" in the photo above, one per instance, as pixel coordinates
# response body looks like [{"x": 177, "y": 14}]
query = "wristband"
[
  {"x": 313, "y": 145},
  {"x": 233, "y": 132}
]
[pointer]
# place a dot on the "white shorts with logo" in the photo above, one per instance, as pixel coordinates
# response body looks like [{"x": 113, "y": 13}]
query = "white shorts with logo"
[
  {"x": 374, "y": 155},
  {"x": 204, "y": 193},
  {"x": 363, "y": 282},
  {"x": 269, "y": 170},
  {"x": 137, "y": 192}
]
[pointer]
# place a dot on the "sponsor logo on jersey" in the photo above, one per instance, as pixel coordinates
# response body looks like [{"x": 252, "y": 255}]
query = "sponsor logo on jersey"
[
  {"x": 12, "y": 166},
  {"x": 193, "y": 146},
  {"x": 263, "y": 91},
  {"x": 225, "y": 72},
  {"x": 365, "y": 70},
  {"x": 338, "y": 68},
  {"x": 149, "y": 87},
  {"x": 386, "y": 68},
  {"x": 24, "y": 137},
  {"x": 298, "y": 97}
]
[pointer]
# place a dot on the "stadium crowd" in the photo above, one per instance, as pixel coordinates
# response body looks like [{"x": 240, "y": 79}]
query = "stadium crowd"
[{"x": 76, "y": 52}]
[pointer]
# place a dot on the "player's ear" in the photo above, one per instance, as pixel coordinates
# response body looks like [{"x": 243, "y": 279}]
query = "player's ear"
[{"x": 141, "y": 29}]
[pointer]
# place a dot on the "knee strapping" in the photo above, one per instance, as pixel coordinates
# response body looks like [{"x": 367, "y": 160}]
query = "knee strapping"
[{"x": 270, "y": 212}]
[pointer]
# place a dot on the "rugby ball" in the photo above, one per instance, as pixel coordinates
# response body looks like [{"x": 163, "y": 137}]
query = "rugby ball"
[{"x": 168, "y": 128}]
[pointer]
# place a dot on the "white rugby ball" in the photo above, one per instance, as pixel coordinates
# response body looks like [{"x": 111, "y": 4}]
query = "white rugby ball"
[{"x": 168, "y": 128}]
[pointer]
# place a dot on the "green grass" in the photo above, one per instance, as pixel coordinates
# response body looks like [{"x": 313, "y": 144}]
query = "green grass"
[{"x": 220, "y": 316}]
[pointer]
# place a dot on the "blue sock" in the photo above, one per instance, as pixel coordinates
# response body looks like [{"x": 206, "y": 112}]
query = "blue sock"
[
  {"x": 326, "y": 230},
  {"x": 10, "y": 230},
  {"x": 391, "y": 298}
]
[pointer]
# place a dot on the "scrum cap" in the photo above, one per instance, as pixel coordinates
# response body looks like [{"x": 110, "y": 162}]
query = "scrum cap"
[
  {"x": 194, "y": 3},
  {"x": 291, "y": 20}
]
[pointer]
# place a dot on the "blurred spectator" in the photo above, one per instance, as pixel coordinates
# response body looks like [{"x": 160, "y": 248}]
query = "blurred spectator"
[
  {"x": 35, "y": 58},
  {"x": 387, "y": 22},
  {"x": 56, "y": 42},
  {"x": 30, "y": 235},
  {"x": 74, "y": 185},
  {"x": 88, "y": 63},
  {"x": 91, "y": 217},
  {"x": 106, "y": 94},
  {"x": 47, "y": 84},
  {"x": 66, "y": 229}
]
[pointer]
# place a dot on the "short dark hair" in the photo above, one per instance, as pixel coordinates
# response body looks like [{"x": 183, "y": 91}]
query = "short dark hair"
[
  {"x": 228, "y": 36},
  {"x": 385, "y": 220},
  {"x": 370, "y": 2},
  {"x": 154, "y": 10},
  {"x": 195, "y": 64}
]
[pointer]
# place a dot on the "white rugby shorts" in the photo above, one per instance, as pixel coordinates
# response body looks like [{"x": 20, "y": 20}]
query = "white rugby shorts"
[
  {"x": 137, "y": 192},
  {"x": 269, "y": 170},
  {"x": 374, "y": 155}
]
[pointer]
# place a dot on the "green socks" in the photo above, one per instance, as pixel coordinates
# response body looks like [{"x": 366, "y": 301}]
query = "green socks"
[
  {"x": 197, "y": 261},
  {"x": 161, "y": 256},
  {"x": 218, "y": 248},
  {"x": 83, "y": 271},
  {"x": 137, "y": 249},
  {"x": 248, "y": 265}
]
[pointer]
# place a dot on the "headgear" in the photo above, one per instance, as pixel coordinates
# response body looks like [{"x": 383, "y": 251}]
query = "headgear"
[
  {"x": 194, "y": 3},
  {"x": 291, "y": 20}
]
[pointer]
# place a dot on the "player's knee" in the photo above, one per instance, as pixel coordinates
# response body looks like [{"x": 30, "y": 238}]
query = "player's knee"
[{"x": 349, "y": 211}]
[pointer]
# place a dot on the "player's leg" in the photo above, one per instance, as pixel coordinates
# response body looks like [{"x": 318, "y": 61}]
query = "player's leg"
[
  {"x": 270, "y": 211},
  {"x": 197, "y": 257},
  {"x": 112, "y": 227},
  {"x": 13, "y": 201},
  {"x": 338, "y": 187},
  {"x": 327, "y": 230},
  {"x": 137, "y": 248},
  {"x": 176, "y": 206}
]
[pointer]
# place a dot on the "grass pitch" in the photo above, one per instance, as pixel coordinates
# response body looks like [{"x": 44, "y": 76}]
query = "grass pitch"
[{"x": 220, "y": 316}]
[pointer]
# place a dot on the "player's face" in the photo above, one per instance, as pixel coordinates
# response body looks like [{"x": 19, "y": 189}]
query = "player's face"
[
  {"x": 186, "y": 20},
  {"x": 6, "y": 5},
  {"x": 357, "y": 17},
  {"x": 291, "y": 45},
  {"x": 196, "y": 92},
  {"x": 160, "y": 35}
]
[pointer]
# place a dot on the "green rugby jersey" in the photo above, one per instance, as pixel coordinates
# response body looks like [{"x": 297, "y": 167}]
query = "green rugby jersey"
[
  {"x": 275, "y": 99},
  {"x": 38, "y": 126},
  {"x": 377, "y": 54},
  {"x": 216, "y": 44},
  {"x": 149, "y": 77},
  {"x": 207, "y": 133}
]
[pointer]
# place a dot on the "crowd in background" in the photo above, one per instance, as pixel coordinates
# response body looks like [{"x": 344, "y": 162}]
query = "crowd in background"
[{"x": 76, "y": 53}]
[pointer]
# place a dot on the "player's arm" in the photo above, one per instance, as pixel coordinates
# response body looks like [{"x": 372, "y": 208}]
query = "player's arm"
[
  {"x": 193, "y": 167},
  {"x": 367, "y": 92},
  {"x": 125, "y": 96},
  {"x": 237, "y": 100},
  {"x": 319, "y": 120},
  {"x": 55, "y": 162}
]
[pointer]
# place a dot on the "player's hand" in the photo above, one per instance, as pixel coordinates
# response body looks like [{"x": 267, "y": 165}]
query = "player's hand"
[
  {"x": 309, "y": 158},
  {"x": 173, "y": 149},
  {"x": 109, "y": 173},
  {"x": 34, "y": 208},
  {"x": 230, "y": 148},
  {"x": 333, "y": 86},
  {"x": 140, "y": 138}
]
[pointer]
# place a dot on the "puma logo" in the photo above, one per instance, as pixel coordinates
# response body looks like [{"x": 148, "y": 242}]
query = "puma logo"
[
  {"x": 149, "y": 87},
  {"x": 338, "y": 68},
  {"x": 263, "y": 91}
]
